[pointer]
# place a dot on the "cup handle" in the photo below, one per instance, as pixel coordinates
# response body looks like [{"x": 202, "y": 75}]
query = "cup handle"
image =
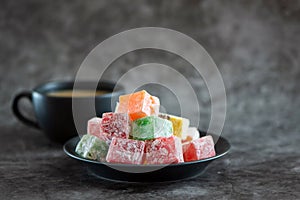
[{"x": 18, "y": 114}]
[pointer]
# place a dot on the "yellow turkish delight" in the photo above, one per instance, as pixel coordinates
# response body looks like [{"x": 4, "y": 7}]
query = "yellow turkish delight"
[{"x": 180, "y": 124}]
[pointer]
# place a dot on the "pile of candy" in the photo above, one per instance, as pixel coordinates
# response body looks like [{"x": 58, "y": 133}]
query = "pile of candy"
[{"x": 136, "y": 133}]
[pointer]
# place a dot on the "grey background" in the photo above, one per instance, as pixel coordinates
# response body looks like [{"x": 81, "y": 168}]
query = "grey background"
[{"x": 255, "y": 45}]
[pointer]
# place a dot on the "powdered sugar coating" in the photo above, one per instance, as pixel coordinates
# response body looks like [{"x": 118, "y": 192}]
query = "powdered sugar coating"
[
  {"x": 163, "y": 151},
  {"x": 92, "y": 147},
  {"x": 198, "y": 149},
  {"x": 125, "y": 151},
  {"x": 115, "y": 125},
  {"x": 180, "y": 124},
  {"x": 94, "y": 127},
  {"x": 151, "y": 127},
  {"x": 139, "y": 104}
]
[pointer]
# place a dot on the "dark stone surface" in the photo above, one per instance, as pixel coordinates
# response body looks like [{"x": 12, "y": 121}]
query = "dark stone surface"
[{"x": 255, "y": 45}]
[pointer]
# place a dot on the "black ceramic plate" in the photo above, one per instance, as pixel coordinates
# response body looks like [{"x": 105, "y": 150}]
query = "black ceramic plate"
[{"x": 146, "y": 173}]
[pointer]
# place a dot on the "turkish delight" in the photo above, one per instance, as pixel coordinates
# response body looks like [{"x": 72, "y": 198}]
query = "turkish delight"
[
  {"x": 125, "y": 151},
  {"x": 163, "y": 151},
  {"x": 200, "y": 148},
  {"x": 93, "y": 127},
  {"x": 136, "y": 133},
  {"x": 137, "y": 105},
  {"x": 180, "y": 124},
  {"x": 151, "y": 127},
  {"x": 92, "y": 147},
  {"x": 115, "y": 125}
]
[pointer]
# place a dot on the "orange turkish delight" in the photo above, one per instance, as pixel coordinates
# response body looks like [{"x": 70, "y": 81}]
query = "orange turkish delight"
[{"x": 139, "y": 104}]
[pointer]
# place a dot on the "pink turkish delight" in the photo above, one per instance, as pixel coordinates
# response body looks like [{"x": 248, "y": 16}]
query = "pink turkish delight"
[
  {"x": 163, "y": 151},
  {"x": 94, "y": 127},
  {"x": 125, "y": 151},
  {"x": 200, "y": 148},
  {"x": 115, "y": 125}
]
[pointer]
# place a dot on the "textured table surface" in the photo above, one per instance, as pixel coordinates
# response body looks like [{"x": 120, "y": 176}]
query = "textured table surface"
[{"x": 255, "y": 45}]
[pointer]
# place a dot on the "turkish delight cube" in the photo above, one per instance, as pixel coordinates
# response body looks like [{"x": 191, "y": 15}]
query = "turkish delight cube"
[
  {"x": 91, "y": 147},
  {"x": 115, "y": 125},
  {"x": 125, "y": 151},
  {"x": 151, "y": 127},
  {"x": 180, "y": 124},
  {"x": 163, "y": 151},
  {"x": 137, "y": 105},
  {"x": 94, "y": 127},
  {"x": 198, "y": 149}
]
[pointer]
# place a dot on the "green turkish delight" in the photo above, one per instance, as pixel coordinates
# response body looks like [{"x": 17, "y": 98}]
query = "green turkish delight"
[
  {"x": 151, "y": 127},
  {"x": 91, "y": 147}
]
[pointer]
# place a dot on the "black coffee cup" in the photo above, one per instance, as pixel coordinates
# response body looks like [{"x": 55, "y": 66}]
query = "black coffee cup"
[{"x": 54, "y": 113}]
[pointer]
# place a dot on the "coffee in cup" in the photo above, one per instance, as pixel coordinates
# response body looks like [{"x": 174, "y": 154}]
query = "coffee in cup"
[{"x": 52, "y": 103}]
